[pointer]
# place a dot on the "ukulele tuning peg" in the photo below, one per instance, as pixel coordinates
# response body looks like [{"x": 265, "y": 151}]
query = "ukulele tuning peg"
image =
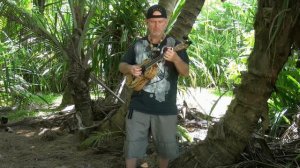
[{"x": 186, "y": 40}]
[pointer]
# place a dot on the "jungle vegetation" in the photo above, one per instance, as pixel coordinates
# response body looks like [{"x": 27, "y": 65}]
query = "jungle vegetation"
[{"x": 71, "y": 49}]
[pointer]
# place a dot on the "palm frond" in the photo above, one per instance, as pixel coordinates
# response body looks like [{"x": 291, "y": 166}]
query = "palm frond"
[
  {"x": 33, "y": 22},
  {"x": 99, "y": 138}
]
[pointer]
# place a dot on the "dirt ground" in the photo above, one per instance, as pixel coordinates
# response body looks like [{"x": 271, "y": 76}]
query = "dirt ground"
[
  {"x": 25, "y": 148},
  {"x": 35, "y": 143}
]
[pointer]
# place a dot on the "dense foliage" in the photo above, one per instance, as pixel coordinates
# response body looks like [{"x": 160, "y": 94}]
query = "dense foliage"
[{"x": 222, "y": 41}]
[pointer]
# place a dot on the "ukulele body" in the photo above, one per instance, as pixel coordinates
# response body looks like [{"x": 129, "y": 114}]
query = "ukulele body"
[{"x": 137, "y": 83}]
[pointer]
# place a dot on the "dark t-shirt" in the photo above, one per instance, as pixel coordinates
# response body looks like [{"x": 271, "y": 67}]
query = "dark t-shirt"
[{"x": 159, "y": 94}]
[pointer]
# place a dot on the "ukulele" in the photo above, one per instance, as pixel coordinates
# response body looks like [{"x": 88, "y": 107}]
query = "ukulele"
[{"x": 150, "y": 68}]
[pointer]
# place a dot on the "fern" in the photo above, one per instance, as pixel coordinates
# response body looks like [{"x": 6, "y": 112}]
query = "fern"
[{"x": 97, "y": 139}]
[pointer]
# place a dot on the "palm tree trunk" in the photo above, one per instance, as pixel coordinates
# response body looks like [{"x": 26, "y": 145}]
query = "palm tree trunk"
[
  {"x": 67, "y": 98},
  {"x": 78, "y": 80},
  {"x": 79, "y": 73},
  {"x": 40, "y": 4},
  {"x": 186, "y": 19},
  {"x": 169, "y": 5},
  {"x": 274, "y": 28}
]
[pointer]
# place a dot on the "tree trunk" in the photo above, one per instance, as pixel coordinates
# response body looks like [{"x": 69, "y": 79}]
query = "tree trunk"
[
  {"x": 274, "y": 28},
  {"x": 186, "y": 19},
  {"x": 117, "y": 121},
  {"x": 169, "y": 5},
  {"x": 79, "y": 73},
  {"x": 67, "y": 98},
  {"x": 78, "y": 81},
  {"x": 40, "y": 4}
]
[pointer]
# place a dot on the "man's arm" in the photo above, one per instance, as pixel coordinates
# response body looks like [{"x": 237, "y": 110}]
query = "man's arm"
[{"x": 182, "y": 67}]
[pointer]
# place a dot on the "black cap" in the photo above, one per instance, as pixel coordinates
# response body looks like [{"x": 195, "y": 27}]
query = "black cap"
[{"x": 154, "y": 8}]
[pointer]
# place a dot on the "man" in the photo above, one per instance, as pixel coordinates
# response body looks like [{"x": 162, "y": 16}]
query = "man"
[{"x": 153, "y": 109}]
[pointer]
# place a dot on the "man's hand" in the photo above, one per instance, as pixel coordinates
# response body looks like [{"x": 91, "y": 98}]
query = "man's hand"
[
  {"x": 171, "y": 55},
  {"x": 181, "y": 66},
  {"x": 135, "y": 70}
]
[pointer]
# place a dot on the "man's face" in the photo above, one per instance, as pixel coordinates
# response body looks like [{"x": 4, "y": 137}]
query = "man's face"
[{"x": 157, "y": 26}]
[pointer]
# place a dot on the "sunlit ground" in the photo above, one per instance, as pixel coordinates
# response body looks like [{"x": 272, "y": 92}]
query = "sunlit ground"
[{"x": 206, "y": 102}]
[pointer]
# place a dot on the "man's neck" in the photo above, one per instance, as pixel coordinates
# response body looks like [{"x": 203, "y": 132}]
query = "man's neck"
[{"x": 156, "y": 39}]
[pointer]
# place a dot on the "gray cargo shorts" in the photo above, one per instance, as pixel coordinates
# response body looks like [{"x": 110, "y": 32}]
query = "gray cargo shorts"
[{"x": 163, "y": 130}]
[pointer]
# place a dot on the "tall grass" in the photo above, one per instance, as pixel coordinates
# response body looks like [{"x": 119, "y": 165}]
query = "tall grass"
[
  {"x": 38, "y": 105},
  {"x": 285, "y": 100},
  {"x": 224, "y": 38}
]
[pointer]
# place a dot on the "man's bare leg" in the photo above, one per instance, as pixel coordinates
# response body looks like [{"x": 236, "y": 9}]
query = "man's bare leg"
[
  {"x": 163, "y": 163},
  {"x": 131, "y": 163}
]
